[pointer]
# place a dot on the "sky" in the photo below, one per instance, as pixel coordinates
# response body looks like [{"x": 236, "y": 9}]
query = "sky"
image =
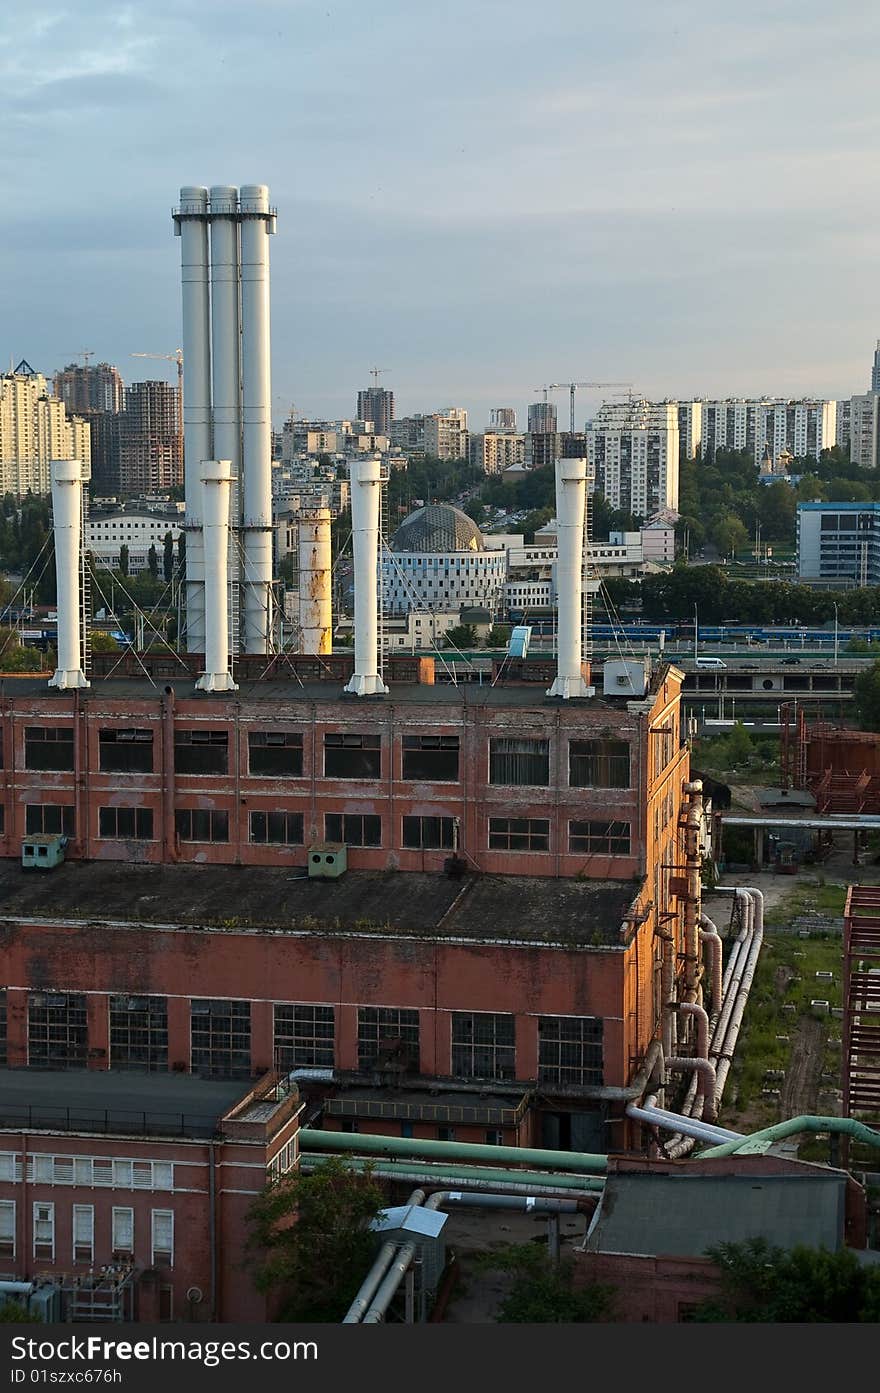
[{"x": 479, "y": 196}]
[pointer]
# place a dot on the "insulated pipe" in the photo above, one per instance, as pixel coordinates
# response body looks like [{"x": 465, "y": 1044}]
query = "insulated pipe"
[
  {"x": 667, "y": 988},
  {"x": 371, "y": 1282},
  {"x": 66, "y": 477},
  {"x": 366, "y": 484},
  {"x": 257, "y": 224},
  {"x": 225, "y": 355},
  {"x": 692, "y": 1009},
  {"x": 710, "y": 936},
  {"x": 216, "y": 479},
  {"x": 315, "y": 607},
  {"x": 761, "y": 1141},
  {"x": 678, "y": 1122},
  {"x": 313, "y": 1139},
  {"x": 693, "y": 821},
  {"x": 727, "y": 1045},
  {"x": 571, "y": 500},
  {"x": 584, "y": 1188},
  {"x": 705, "y": 1071},
  {"x": 191, "y": 226}
]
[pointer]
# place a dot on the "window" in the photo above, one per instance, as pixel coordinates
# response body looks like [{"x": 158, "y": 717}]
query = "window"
[
  {"x": 221, "y": 1038},
  {"x": 352, "y": 756},
  {"x": 201, "y": 825},
  {"x": 519, "y": 834},
  {"x": 607, "y": 838},
  {"x": 44, "y": 1231},
  {"x": 83, "y": 1232},
  {"x": 431, "y": 757},
  {"x": 281, "y": 829},
  {"x": 125, "y": 751},
  {"x": 57, "y": 1031},
  {"x": 162, "y": 1237},
  {"x": 126, "y": 824},
  {"x": 282, "y": 1161},
  {"x": 446, "y": 1134},
  {"x": 304, "y": 1037},
  {"x": 569, "y": 1049},
  {"x": 201, "y": 752},
  {"x": 275, "y": 752},
  {"x": 122, "y": 1231},
  {"x": 7, "y": 1228},
  {"x": 354, "y": 829},
  {"x": 48, "y": 747},
  {"x": 482, "y": 1045},
  {"x": 428, "y": 833},
  {"x": 598, "y": 764},
  {"x": 47, "y": 818},
  {"x": 138, "y": 1032},
  {"x": 519, "y": 762},
  {"x": 494, "y": 1137},
  {"x": 388, "y": 1038}
]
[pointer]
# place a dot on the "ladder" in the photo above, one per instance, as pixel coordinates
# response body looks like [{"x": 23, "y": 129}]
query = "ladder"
[{"x": 85, "y": 590}]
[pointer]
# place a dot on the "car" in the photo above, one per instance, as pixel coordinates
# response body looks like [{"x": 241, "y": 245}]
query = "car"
[
  {"x": 791, "y": 660},
  {"x": 749, "y": 667},
  {"x": 711, "y": 663}
]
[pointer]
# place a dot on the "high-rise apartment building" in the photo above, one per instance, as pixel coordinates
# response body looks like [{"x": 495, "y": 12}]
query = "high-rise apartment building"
[
  {"x": 502, "y": 418},
  {"x": 494, "y": 450},
  {"x": 408, "y": 433},
  {"x": 844, "y": 424},
  {"x": 35, "y": 429},
  {"x": 542, "y": 418},
  {"x": 690, "y": 429},
  {"x": 864, "y": 428},
  {"x": 632, "y": 451},
  {"x": 804, "y": 428},
  {"x": 149, "y": 439},
  {"x": 90, "y": 388},
  {"x": 377, "y": 405},
  {"x": 446, "y": 434},
  {"x": 875, "y": 369}
]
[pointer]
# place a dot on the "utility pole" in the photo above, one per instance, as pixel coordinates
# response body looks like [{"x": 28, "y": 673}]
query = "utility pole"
[
  {"x": 835, "y": 636},
  {"x": 696, "y": 634}
]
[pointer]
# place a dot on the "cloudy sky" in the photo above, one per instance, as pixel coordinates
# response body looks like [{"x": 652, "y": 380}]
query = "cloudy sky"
[{"x": 479, "y": 195}]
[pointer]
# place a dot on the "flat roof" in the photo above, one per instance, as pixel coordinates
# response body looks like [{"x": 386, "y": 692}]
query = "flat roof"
[{"x": 569, "y": 912}]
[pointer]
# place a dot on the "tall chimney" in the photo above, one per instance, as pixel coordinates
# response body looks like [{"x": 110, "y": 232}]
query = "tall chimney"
[
  {"x": 366, "y": 483},
  {"x": 315, "y": 606},
  {"x": 67, "y": 517},
  {"x": 226, "y": 355},
  {"x": 571, "y": 498},
  {"x": 257, "y": 223},
  {"x": 216, "y": 481},
  {"x": 191, "y": 226}
]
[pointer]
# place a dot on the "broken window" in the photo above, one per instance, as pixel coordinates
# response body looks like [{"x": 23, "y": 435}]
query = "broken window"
[
  {"x": 354, "y": 829},
  {"x": 138, "y": 1032},
  {"x": 521, "y": 763},
  {"x": 48, "y": 747},
  {"x": 482, "y": 1045},
  {"x": 275, "y": 753},
  {"x": 280, "y": 829},
  {"x": 57, "y": 1030},
  {"x": 598, "y": 764},
  {"x": 570, "y": 1049},
  {"x": 519, "y": 834},
  {"x": 349, "y": 756},
  {"x": 610, "y": 838},
  {"x": 49, "y": 819},
  {"x": 201, "y": 825},
  {"x": 125, "y": 751},
  {"x": 433, "y": 758},
  {"x": 388, "y": 1037},
  {"x": 304, "y": 1037},
  {"x": 429, "y": 833},
  {"x": 221, "y": 1038},
  {"x": 201, "y": 751}
]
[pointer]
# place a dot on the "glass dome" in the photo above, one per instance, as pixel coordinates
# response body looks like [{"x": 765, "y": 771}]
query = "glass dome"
[{"x": 437, "y": 528}]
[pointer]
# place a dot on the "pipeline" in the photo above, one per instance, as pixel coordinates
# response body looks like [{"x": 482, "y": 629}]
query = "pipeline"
[
  {"x": 371, "y": 1282},
  {"x": 761, "y": 1141},
  {"x": 677, "y": 1122},
  {"x": 312, "y": 1139},
  {"x": 517, "y": 1182},
  {"x": 710, "y": 935}
]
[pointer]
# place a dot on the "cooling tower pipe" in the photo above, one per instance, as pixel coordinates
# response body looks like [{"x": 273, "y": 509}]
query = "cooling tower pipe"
[
  {"x": 571, "y": 502},
  {"x": 366, "y": 485},
  {"x": 66, "y": 478},
  {"x": 216, "y": 482},
  {"x": 257, "y": 223},
  {"x": 315, "y": 608},
  {"x": 191, "y": 226}
]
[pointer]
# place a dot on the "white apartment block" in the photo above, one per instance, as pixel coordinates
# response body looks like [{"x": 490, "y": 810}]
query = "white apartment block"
[
  {"x": 493, "y": 451},
  {"x": 107, "y": 533},
  {"x": 863, "y": 427},
  {"x": 805, "y": 428},
  {"x": 34, "y": 430},
  {"x": 690, "y": 429},
  {"x": 633, "y": 455},
  {"x": 446, "y": 434}
]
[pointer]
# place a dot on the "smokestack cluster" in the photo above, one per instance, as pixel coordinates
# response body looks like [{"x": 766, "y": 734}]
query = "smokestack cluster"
[{"x": 227, "y": 402}]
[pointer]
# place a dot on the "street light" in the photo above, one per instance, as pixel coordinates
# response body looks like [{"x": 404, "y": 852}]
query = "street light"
[
  {"x": 696, "y": 634},
  {"x": 835, "y": 636}
]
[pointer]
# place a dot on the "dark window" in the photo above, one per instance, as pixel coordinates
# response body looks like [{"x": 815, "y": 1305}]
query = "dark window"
[
  {"x": 610, "y": 838},
  {"x": 431, "y": 757},
  {"x": 281, "y": 829},
  {"x": 2, "y": 819},
  {"x": 126, "y": 824},
  {"x": 482, "y": 1045},
  {"x": 125, "y": 751},
  {"x": 138, "y": 1032},
  {"x": 57, "y": 1031},
  {"x": 2, "y": 1025},
  {"x": 428, "y": 833},
  {"x": 304, "y": 1037},
  {"x": 352, "y": 756},
  {"x": 354, "y": 829},
  {"x": 275, "y": 752},
  {"x": 221, "y": 1038},
  {"x": 201, "y": 751},
  {"x": 519, "y": 762},
  {"x": 446, "y": 1134},
  {"x": 598, "y": 764},
  {"x": 46, "y": 747},
  {"x": 388, "y": 1038},
  {"x": 48, "y": 818},
  {"x": 519, "y": 834},
  {"x": 569, "y": 1049},
  {"x": 201, "y": 825}
]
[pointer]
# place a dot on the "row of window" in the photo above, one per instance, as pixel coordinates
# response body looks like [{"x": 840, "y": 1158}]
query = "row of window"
[
  {"x": 82, "y": 1229},
  {"x": 483, "y": 1043},
  {"x": 513, "y": 761}
]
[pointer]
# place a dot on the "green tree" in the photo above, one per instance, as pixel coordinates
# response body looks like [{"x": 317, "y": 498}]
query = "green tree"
[
  {"x": 123, "y": 560},
  {"x": 153, "y": 562},
  {"x": 760, "y": 1283},
  {"x": 867, "y": 697},
  {"x": 498, "y": 636},
  {"x": 168, "y": 558},
  {"x": 16, "y": 1312},
  {"x": 461, "y": 636},
  {"x": 543, "y": 1293},
  {"x": 729, "y": 534},
  {"x": 778, "y": 512},
  {"x": 310, "y": 1241}
]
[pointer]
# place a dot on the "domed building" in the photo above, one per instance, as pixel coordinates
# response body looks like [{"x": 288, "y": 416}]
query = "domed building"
[{"x": 439, "y": 561}]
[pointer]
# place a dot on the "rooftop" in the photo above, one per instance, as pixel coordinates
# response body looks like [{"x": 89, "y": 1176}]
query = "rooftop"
[{"x": 530, "y": 909}]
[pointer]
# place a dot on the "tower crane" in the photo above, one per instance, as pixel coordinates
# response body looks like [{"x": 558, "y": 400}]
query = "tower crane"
[
  {"x": 175, "y": 357},
  {"x": 572, "y": 388},
  {"x": 545, "y": 390},
  {"x": 85, "y": 354},
  {"x": 374, "y": 373}
]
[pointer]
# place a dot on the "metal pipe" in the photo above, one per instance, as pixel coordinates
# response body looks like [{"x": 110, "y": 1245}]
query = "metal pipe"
[
  {"x": 366, "y": 483},
  {"x": 710, "y": 936},
  {"x": 727, "y": 1045},
  {"x": 216, "y": 478},
  {"x": 571, "y": 500},
  {"x": 191, "y": 226},
  {"x": 226, "y": 358},
  {"x": 257, "y": 223},
  {"x": 692, "y": 1009},
  {"x": 693, "y": 822},
  {"x": 370, "y": 1284},
  {"x": 674, "y": 1121},
  {"x": 705, "y": 1071},
  {"x": 67, "y": 525},
  {"x": 478, "y": 1178},
  {"x": 761, "y": 1141},
  {"x": 313, "y": 1139}
]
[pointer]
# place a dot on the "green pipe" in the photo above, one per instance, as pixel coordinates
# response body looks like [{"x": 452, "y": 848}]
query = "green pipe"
[
  {"x": 451, "y": 1175},
  {"x": 578, "y": 1161},
  {"x": 758, "y": 1142}
]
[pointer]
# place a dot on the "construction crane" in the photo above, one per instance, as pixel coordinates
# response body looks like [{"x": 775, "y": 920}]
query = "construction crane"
[
  {"x": 374, "y": 373},
  {"x": 545, "y": 390},
  {"x": 572, "y": 388},
  {"x": 175, "y": 357},
  {"x": 85, "y": 353}
]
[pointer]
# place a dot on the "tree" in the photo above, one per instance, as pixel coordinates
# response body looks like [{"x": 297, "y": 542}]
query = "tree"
[
  {"x": 729, "y": 534},
  {"x": 778, "y": 512},
  {"x": 153, "y": 562},
  {"x": 760, "y": 1283},
  {"x": 461, "y": 636},
  {"x": 498, "y": 636},
  {"x": 168, "y": 558},
  {"x": 867, "y": 697},
  {"x": 123, "y": 560},
  {"x": 181, "y": 554},
  {"x": 310, "y": 1241},
  {"x": 543, "y": 1292},
  {"x": 103, "y": 643}
]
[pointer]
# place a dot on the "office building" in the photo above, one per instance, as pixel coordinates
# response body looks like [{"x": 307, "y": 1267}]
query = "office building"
[{"x": 839, "y": 543}]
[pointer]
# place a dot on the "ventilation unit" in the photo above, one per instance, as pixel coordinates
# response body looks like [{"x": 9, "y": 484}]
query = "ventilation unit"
[
  {"x": 327, "y": 861},
  {"x": 626, "y": 677}
]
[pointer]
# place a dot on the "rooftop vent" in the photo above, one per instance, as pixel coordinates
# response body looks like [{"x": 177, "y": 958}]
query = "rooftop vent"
[{"x": 327, "y": 861}]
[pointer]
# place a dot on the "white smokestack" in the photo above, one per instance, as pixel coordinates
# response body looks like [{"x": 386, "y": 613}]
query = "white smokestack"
[
  {"x": 191, "y": 225},
  {"x": 67, "y": 517},
  {"x": 225, "y": 345},
  {"x": 257, "y": 223},
  {"x": 315, "y": 606},
  {"x": 216, "y": 482},
  {"x": 366, "y": 482},
  {"x": 571, "y": 500}
]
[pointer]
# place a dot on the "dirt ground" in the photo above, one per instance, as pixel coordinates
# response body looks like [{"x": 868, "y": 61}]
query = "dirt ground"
[{"x": 478, "y": 1294}]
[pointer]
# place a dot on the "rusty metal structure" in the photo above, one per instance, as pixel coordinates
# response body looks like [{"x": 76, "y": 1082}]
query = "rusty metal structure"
[
  {"x": 839, "y": 766},
  {"x": 861, "y": 1004}
]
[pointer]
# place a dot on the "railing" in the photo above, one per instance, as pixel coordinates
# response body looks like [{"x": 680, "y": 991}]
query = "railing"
[{"x": 36, "y": 1117}]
